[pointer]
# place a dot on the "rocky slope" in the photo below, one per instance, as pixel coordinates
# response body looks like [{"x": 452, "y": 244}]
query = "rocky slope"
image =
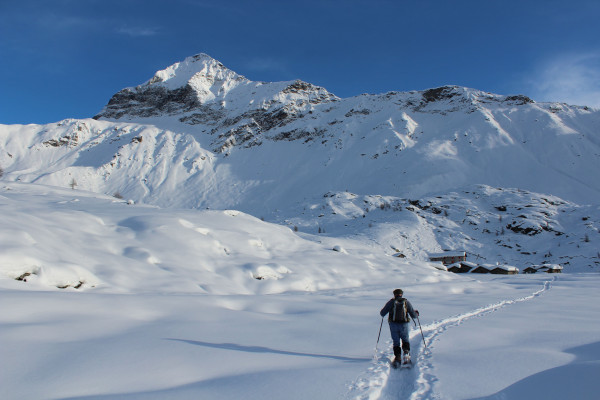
[
  {"x": 493, "y": 225},
  {"x": 202, "y": 91}
]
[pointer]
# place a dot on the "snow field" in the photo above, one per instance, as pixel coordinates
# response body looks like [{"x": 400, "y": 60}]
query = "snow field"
[
  {"x": 184, "y": 346},
  {"x": 185, "y": 304},
  {"x": 74, "y": 238},
  {"x": 103, "y": 298}
]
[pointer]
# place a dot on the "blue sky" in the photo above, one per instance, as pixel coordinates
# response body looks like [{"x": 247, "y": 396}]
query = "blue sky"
[{"x": 66, "y": 58}]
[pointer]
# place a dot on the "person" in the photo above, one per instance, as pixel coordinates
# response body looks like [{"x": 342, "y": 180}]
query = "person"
[{"x": 399, "y": 310}]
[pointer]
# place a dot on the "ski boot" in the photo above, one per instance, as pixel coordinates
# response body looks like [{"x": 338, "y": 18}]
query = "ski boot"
[
  {"x": 406, "y": 361},
  {"x": 397, "y": 361}
]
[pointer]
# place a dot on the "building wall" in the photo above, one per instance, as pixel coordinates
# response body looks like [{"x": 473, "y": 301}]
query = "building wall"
[{"x": 449, "y": 259}]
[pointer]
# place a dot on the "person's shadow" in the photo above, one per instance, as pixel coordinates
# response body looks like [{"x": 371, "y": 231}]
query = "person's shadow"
[{"x": 261, "y": 349}]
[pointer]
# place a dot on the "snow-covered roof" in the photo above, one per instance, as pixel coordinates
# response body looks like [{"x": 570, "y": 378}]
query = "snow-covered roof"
[
  {"x": 463, "y": 263},
  {"x": 549, "y": 266},
  {"x": 506, "y": 267},
  {"x": 440, "y": 266},
  {"x": 468, "y": 264},
  {"x": 448, "y": 254}
]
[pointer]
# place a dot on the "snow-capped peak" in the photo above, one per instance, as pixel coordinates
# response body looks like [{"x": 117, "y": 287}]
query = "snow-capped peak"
[
  {"x": 179, "y": 88},
  {"x": 199, "y": 70},
  {"x": 204, "y": 87}
]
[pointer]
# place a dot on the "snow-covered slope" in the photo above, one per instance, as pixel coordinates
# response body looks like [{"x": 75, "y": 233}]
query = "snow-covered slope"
[
  {"x": 61, "y": 238},
  {"x": 103, "y": 299},
  {"x": 493, "y": 225},
  {"x": 200, "y": 136}
]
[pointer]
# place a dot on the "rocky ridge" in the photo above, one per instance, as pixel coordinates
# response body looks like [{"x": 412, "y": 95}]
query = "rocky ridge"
[
  {"x": 236, "y": 112},
  {"x": 202, "y": 91}
]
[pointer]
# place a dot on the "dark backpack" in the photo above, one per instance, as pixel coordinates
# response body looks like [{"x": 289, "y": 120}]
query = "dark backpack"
[{"x": 399, "y": 312}]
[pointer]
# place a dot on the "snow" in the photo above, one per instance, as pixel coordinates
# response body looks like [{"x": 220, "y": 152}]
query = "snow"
[
  {"x": 265, "y": 146},
  {"x": 243, "y": 248},
  {"x": 170, "y": 307},
  {"x": 195, "y": 70}
]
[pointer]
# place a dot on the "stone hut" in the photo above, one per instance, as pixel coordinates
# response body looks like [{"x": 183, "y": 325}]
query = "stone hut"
[
  {"x": 449, "y": 257},
  {"x": 551, "y": 268},
  {"x": 505, "y": 270},
  {"x": 482, "y": 269},
  {"x": 462, "y": 267}
]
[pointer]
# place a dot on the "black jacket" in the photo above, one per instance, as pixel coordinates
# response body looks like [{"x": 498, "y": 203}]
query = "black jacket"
[{"x": 388, "y": 307}]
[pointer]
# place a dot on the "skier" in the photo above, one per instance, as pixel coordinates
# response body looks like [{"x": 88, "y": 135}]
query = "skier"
[{"x": 399, "y": 310}]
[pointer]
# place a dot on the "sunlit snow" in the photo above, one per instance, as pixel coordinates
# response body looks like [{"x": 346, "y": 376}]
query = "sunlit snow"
[{"x": 241, "y": 244}]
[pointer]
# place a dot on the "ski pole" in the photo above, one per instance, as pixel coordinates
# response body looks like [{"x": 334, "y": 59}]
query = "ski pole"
[
  {"x": 378, "y": 336},
  {"x": 423, "y": 336}
]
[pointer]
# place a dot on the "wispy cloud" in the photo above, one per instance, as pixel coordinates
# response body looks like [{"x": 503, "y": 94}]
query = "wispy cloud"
[
  {"x": 570, "y": 78},
  {"x": 136, "y": 31}
]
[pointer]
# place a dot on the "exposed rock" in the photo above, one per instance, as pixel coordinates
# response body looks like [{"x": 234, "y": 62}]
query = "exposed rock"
[
  {"x": 23, "y": 277},
  {"x": 519, "y": 99},
  {"x": 363, "y": 111},
  {"x": 441, "y": 93},
  {"x": 148, "y": 101},
  {"x": 66, "y": 140}
]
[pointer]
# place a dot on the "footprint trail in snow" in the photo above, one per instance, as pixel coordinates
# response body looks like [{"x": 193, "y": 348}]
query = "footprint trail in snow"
[{"x": 381, "y": 382}]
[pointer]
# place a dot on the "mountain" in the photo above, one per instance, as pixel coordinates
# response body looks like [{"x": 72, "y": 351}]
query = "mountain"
[
  {"x": 116, "y": 282},
  {"x": 198, "y": 135},
  {"x": 201, "y": 91}
]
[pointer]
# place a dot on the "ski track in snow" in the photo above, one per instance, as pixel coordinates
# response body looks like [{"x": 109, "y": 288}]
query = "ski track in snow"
[{"x": 381, "y": 382}]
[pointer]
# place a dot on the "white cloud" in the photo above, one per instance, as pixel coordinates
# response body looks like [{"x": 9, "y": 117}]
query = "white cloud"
[{"x": 571, "y": 78}]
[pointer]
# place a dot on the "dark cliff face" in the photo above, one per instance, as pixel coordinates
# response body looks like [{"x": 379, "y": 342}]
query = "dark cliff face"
[
  {"x": 150, "y": 101},
  {"x": 154, "y": 100},
  {"x": 441, "y": 93}
]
